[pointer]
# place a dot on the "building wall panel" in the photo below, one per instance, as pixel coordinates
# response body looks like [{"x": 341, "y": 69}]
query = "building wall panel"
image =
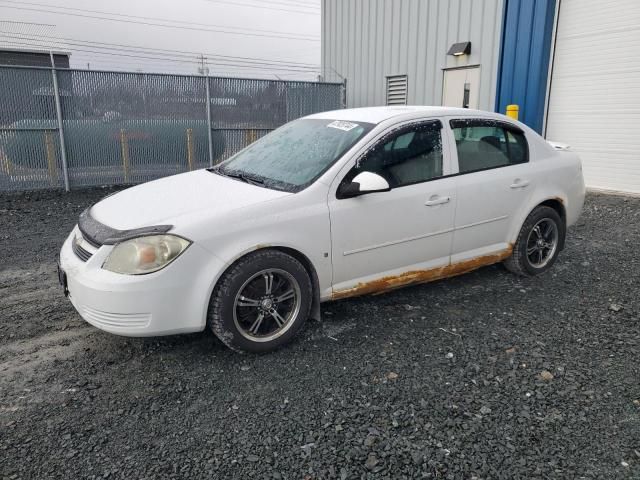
[
  {"x": 524, "y": 64},
  {"x": 594, "y": 102},
  {"x": 366, "y": 40}
]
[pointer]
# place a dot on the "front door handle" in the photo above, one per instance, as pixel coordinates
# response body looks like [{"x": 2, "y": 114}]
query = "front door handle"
[
  {"x": 437, "y": 200},
  {"x": 517, "y": 183}
]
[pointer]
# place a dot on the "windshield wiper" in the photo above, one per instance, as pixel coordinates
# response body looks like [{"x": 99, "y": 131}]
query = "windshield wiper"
[
  {"x": 245, "y": 178},
  {"x": 240, "y": 176}
]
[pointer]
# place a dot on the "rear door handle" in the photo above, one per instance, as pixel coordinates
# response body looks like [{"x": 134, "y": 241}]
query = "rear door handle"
[
  {"x": 437, "y": 200},
  {"x": 517, "y": 183}
]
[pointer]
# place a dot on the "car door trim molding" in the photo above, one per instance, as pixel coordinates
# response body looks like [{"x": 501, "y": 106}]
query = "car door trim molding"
[
  {"x": 489, "y": 220},
  {"x": 396, "y": 242},
  {"x": 420, "y": 237}
]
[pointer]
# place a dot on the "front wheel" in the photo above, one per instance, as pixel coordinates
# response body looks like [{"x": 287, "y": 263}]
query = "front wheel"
[
  {"x": 538, "y": 243},
  {"x": 261, "y": 302}
]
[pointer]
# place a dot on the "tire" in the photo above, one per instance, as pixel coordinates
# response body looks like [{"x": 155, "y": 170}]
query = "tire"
[
  {"x": 524, "y": 261},
  {"x": 248, "y": 315}
]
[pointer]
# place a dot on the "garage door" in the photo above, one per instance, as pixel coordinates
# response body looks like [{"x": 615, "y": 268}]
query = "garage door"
[{"x": 594, "y": 102}]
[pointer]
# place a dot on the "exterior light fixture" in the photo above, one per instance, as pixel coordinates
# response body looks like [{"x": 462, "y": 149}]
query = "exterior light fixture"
[{"x": 458, "y": 49}]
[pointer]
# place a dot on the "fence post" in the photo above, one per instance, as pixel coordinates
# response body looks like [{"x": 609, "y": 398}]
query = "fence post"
[
  {"x": 124, "y": 148},
  {"x": 286, "y": 102},
  {"x": 250, "y": 136},
  {"x": 209, "y": 136},
  {"x": 190, "y": 148},
  {"x": 51, "y": 157},
  {"x": 344, "y": 93},
  {"x": 7, "y": 164},
  {"x": 63, "y": 150}
]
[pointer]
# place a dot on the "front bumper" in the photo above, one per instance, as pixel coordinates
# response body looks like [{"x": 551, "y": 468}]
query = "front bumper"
[{"x": 172, "y": 300}]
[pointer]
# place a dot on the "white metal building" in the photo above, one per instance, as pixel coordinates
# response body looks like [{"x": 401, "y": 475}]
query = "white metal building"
[
  {"x": 571, "y": 65},
  {"x": 370, "y": 41}
]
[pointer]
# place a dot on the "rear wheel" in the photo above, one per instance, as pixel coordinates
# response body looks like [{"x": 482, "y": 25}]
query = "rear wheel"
[
  {"x": 538, "y": 243},
  {"x": 261, "y": 302}
]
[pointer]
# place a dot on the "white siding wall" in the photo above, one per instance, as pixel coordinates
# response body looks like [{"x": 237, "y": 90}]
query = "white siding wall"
[
  {"x": 366, "y": 40},
  {"x": 594, "y": 103}
]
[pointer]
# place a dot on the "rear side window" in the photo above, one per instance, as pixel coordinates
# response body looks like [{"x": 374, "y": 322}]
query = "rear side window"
[{"x": 485, "y": 144}]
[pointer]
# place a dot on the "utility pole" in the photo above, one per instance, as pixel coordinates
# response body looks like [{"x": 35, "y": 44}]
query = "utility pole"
[{"x": 203, "y": 69}]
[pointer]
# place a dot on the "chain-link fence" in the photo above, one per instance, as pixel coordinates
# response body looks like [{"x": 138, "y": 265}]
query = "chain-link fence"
[{"x": 75, "y": 128}]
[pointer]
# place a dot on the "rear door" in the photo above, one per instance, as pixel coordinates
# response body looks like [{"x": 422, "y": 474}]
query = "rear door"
[
  {"x": 386, "y": 234},
  {"x": 494, "y": 183},
  {"x": 460, "y": 87}
]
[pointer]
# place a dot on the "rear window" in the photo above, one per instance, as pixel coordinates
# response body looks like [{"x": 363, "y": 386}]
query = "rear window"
[{"x": 484, "y": 144}]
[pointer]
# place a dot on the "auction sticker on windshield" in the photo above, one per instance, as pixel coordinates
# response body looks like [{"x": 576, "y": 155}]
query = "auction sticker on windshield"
[{"x": 341, "y": 125}]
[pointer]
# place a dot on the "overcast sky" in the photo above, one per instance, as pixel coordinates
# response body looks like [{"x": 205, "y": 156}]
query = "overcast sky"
[{"x": 274, "y": 37}]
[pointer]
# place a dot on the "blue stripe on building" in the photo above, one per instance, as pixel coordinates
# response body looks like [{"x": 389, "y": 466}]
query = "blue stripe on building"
[{"x": 525, "y": 58}]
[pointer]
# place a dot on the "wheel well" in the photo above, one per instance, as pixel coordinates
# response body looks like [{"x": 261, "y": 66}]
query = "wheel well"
[
  {"x": 558, "y": 205},
  {"x": 313, "y": 275},
  {"x": 301, "y": 257}
]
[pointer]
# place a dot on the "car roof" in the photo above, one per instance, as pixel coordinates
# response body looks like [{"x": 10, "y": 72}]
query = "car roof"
[{"x": 380, "y": 114}]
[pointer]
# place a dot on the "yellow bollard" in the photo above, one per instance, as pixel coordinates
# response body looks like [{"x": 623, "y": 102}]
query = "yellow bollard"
[
  {"x": 512, "y": 111},
  {"x": 51, "y": 157},
  {"x": 124, "y": 146},
  {"x": 190, "y": 148}
]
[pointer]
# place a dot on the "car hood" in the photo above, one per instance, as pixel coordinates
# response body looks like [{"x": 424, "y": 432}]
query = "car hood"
[{"x": 164, "y": 201}]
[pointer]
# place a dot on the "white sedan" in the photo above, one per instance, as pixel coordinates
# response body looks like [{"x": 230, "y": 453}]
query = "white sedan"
[{"x": 329, "y": 206}]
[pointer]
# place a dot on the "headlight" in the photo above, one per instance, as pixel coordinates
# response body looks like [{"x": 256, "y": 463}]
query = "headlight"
[{"x": 145, "y": 254}]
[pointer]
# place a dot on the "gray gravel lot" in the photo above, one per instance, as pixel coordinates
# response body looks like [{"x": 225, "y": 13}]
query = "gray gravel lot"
[{"x": 482, "y": 376}]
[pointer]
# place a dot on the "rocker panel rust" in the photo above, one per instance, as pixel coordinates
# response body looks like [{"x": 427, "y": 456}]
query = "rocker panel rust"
[{"x": 413, "y": 277}]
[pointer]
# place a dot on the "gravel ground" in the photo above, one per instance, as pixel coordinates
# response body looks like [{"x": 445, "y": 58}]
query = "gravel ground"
[{"x": 481, "y": 376}]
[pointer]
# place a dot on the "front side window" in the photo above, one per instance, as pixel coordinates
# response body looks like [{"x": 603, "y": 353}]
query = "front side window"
[
  {"x": 485, "y": 144},
  {"x": 294, "y": 155},
  {"x": 411, "y": 155}
]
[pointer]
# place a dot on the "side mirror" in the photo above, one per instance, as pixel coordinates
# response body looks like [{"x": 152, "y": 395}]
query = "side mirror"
[{"x": 363, "y": 183}]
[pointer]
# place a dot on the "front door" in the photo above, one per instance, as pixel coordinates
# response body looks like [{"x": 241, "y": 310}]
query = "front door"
[
  {"x": 460, "y": 87},
  {"x": 378, "y": 237}
]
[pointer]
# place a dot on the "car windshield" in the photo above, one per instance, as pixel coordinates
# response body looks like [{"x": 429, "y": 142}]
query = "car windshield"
[{"x": 296, "y": 154}]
